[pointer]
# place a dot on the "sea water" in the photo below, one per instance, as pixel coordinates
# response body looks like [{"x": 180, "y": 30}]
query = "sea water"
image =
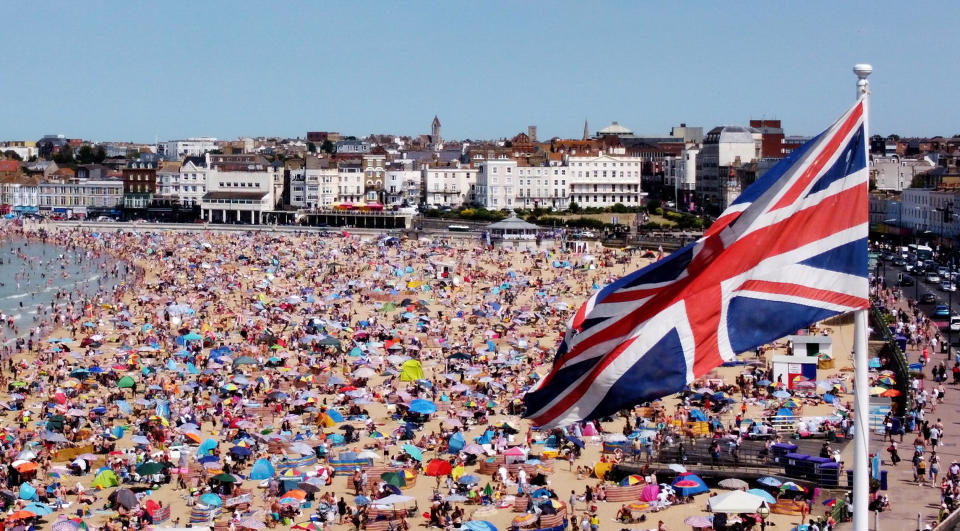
[{"x": 32, "y": 273}]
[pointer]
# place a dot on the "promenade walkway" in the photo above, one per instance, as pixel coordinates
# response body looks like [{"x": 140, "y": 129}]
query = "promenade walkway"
[{"x": 907, "y": 499}]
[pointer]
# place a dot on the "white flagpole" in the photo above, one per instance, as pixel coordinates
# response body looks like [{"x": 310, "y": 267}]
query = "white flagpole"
[{"x": 861, "y": 460}]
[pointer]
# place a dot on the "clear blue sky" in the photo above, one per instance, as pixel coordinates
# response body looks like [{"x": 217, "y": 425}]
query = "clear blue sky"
[{"x": 135, "y": 70}]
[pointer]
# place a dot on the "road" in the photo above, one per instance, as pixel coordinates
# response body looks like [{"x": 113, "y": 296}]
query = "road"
[{"x": 891, "y": 273}]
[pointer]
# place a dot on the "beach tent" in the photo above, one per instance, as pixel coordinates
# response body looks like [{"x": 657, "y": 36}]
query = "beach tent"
[
  {"x": 410, "y": 371},
  {"x": 456, "y": 443},
  {"x": 684, "y": 488},
  {"x": 649, "y": 492},
  {"x": 105, "y": 479},
  {"x": 206, "y": 446},
  {"x": 27, "y": 492}
]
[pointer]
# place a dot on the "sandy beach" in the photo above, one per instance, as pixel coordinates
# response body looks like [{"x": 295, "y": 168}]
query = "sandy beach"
[{"x": 216, "y": 351}]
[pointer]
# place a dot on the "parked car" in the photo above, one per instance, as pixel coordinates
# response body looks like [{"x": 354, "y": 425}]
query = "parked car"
[
  {"x": 941, "y": 310},
  {"x": 955, "y": 323},
  {"x": 947, "y": 285},
  {"x": 928, "y": 298}
]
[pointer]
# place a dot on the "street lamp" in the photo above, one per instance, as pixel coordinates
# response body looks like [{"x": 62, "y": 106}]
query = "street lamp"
[{"x": 763, "y": 512}]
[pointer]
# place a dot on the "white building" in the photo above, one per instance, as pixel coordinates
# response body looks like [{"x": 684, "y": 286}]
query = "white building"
[
  {"x": 496, "y": 184},
  {"x": 191, "y": 147},
  {"x": 80, "y": 196},
  {"x": 350, "y": 182},
  {"x": 192, "y": 185},
  {"x": 724, "y": 147},
  {"x": 24, "y": 151},
  {"x": 896, "y": 173},
  {"x": 680, "y": 173},
  {"x": 543, "y": 186},
  {"x": 450, "y": 185},
  {"x": 604, "y": 180},
  {"x": 402, "y": 183},
  {"x": 925, "y": 212},
  {"x": 240, "y": 189},
  {"x": 22, "y": 195},
  {"x": 315, "y": 185}
]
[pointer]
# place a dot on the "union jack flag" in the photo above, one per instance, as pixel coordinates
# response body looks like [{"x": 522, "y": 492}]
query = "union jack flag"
[{"x": 790, "y": 251}]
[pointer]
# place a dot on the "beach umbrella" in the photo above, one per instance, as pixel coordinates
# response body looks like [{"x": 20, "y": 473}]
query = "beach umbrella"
[
  {"x": 424, "y": 407},
  {"x": 20, "y": 515},
  {"x": 393, "y": 499},
  {"x": 455, "y": 498},
  {"x": 736, "y": 501},
  {"x": 65, "y": 525},
  {"x": 364, "y": 372},
  {"x": 361, "y": 500},
  {"x": 224, "y": 478},
  {"x": 769, "y": 481},
  {"x": 474, "y": 449},
  {"x": 767, "y": 497},
  {"x": 211, "y": 499},
  {"x": 240, "y": 451},
  {"x": 308, "y": 526},
  {"x": 479, "y": 525},
  {"x": 25, "y": 468},
  {"x": 244, "y": 360},
  {"x": 54, "y": 437},
  {"x": 678, "y": 468},
  {"x": 698, "y": 521},
  {"x": 149, "y": 468},
  {"x": 394, "y": 478},
  {"x": 413, "y": 452},
  {"x": 251, "y": 523},
  {"x": 38, "y": 509},
  {"x": 734, "y": 484},
  {"x": 790, "y": 486},
  {"x": 438, "y": 467},
  {"x": 140, "y": 439},
  {"x": 124, "y": 497},
  {"x": 297, "y": 494},
  {"x": 125, "y": 382},
  {"x": 468, "y": 479},
  {"x": 632, "y": 479},
  {"x": 780, "y": 394},
  {"x": 307, "y": 486}
]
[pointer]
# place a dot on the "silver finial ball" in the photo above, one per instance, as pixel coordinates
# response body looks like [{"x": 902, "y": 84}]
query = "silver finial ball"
[{"x": 862, "y": 70}]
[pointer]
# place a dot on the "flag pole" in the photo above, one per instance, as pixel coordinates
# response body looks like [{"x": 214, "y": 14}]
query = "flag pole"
[{"x": 861, "y": 459}]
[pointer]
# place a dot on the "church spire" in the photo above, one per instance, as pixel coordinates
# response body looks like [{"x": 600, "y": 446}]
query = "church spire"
[{"x": 586, "y": 131}]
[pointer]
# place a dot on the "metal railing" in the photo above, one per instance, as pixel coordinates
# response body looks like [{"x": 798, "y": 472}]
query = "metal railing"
[{"x": 898, "y": 360}]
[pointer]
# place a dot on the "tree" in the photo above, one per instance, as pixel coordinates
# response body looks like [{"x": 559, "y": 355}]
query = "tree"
[
  {"x": 574, "y": 207},
  {"x": 327, "y": 146},
  {"x": 100, "y": 155},
  {"x": 85, "y": 154},
  {"x": 311, "y": 147},
  {"x": 11, "y": 154},
  {"x": 64, "y": 155}
]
